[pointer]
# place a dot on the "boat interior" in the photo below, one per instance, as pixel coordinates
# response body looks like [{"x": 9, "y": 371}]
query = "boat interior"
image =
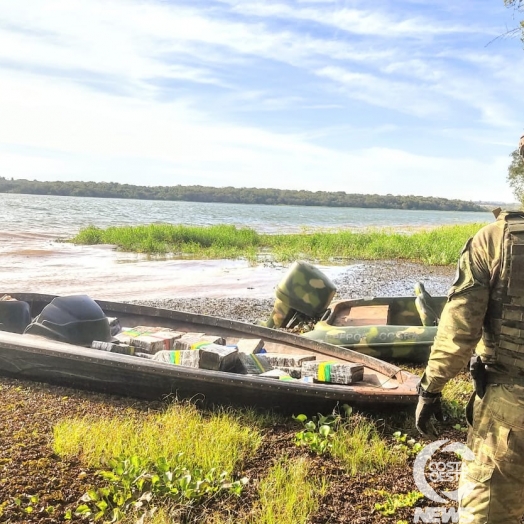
[{"x": 392, "y": 311}]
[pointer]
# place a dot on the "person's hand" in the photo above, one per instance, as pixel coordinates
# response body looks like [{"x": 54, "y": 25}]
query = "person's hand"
[{"x": 428, "y": 406}]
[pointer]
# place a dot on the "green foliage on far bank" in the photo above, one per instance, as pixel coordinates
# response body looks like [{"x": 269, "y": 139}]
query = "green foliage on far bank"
[
  {"x": 439, "y": 246},
  {"x": 233, "y": 195}
]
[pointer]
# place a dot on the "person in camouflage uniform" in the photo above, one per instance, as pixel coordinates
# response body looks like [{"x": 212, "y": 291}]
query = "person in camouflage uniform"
[{"x": 486, "y": 307}]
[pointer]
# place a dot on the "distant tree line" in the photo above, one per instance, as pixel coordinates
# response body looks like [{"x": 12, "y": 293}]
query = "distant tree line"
[{"x": 233, "y": 195}]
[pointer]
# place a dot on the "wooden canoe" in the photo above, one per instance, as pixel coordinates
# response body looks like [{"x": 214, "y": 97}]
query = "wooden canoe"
[{"x": 40, "y": 359}]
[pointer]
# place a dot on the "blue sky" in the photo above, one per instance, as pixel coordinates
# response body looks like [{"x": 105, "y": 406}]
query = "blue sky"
[{"x": 407, "y": 97}]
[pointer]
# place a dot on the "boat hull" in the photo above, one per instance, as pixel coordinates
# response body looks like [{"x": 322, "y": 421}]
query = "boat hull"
[
  {"x": 388, "y": 328},
  {"x": 36, "y": 358},
  {"x": 391, "y": 343}
]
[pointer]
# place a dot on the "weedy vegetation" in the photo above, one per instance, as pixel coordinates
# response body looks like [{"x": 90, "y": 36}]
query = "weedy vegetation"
[
  {"x": 409, "y": 446},
  {"x": 438, "y": 246},
  {"x": 355, "y": 441},
  {"x": 394, "y": 501},
  {"x": 220, "y": 441},
  {"x": 179, "y": 456},
  {"x": 288, "y": 494},
  {"x": 176, "y": 461},
  {"x": 455, "y": 396}
]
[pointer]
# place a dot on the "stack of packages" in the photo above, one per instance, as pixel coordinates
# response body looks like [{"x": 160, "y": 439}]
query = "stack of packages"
[
  {"x": 140, "y": 340},
  {"x": 196, "y": 350},
  {"x": 246, "y": 356},
  {"x": 305, "y": 368}
]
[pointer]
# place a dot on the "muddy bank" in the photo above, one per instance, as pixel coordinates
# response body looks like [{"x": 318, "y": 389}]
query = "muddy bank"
[
  {"x": 360, "y": 279},
  {"x": 41, "y": 265}
]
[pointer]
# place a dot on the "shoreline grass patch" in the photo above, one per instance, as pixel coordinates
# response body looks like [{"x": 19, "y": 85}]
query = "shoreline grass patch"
[
  {"x": 219, "y": 441},
  {"x": 361, "y": 449},
  {"x": 438, "y": 246}
]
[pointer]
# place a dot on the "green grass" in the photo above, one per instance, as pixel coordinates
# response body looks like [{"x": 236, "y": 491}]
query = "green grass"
[
  {"x": 220, "y": 441},
  {"x": 438, "y": 246},
  {"x": 456, "y": 394},
  {"x": 361, "y": 449},
  {"x": 289, "y": 491},
  {"x": 167, "y": 238},
  {"x": 288, "y": 494}
]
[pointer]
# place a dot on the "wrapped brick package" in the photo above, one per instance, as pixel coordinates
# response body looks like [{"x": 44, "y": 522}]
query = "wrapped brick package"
[
  {"x": 250, "y": 364},
  {"x": 293, "y": 372},
  {"x": 185, "y": 357},
  {"x": 279, "y": 360},
  {"x": 218, "y": 358},
  {"x": 149, "y": 339},
  {"x": 250, "y": 345},
  {"x": 197, "y": 340},
  {"x": 278, "y": 374},
  {"x": 112, "y": 347},
  {"x": 333, "y": 372}
]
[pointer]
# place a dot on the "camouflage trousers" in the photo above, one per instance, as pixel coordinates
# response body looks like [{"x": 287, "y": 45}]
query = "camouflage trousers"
[{"x": 491, "y": 488}]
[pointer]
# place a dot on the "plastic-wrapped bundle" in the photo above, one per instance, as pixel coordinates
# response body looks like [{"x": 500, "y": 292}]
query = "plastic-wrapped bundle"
[{"x": 333, "y": 372}]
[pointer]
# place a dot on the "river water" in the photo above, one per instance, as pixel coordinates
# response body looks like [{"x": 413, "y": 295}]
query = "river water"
[{"x": 32, "y": 259}]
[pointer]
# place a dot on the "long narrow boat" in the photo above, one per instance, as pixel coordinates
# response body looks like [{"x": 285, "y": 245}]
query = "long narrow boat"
[{"x": 37, "y": 358}]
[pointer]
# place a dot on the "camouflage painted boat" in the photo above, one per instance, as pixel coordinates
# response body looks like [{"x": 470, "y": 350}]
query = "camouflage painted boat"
[{"x": 388, "y": 328}]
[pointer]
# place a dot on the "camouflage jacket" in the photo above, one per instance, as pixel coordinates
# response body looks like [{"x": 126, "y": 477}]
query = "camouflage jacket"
[{"x": 466, "y": 311}]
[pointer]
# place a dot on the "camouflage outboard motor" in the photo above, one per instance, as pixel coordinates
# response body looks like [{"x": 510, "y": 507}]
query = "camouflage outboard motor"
[
  {"x": 305, "y": 290},
  {"x": 75, "y": 319}
]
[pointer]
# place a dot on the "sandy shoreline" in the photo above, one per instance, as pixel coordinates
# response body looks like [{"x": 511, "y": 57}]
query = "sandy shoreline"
[{"x": 46, "y": 266}]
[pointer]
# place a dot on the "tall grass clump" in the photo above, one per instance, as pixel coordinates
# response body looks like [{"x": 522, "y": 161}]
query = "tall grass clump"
[
  {"x": 359, "y": 446},
  {"x": 439, "y": 246},
  {"x": 288, "y": 494},
  {"x": 219, "y": 441},
  {"x": 455, "y": 396},
  {"x": 169, "y": 238}
]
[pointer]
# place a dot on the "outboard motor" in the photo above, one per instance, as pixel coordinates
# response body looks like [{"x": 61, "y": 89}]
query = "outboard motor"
[
  {"x": 304, "y": 290},
  {"x": 76, "y": 319},
  {"x": 15, "y": 315}
]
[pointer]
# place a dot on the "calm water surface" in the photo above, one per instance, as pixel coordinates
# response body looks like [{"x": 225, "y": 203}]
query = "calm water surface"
[
  {"x": 66, "y": 215},
  {"x": 32, "y": 260}
]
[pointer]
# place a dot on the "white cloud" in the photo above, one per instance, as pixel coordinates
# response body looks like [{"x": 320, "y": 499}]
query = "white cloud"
[
  {"x": 126, "y": 91},
  {"x": 396, "y": 95},
  {"x": 112, "y": 138},
  {"x": 357, "y": 21}
]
